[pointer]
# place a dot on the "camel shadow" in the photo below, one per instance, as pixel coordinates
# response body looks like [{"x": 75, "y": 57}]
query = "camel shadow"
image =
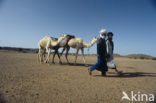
[
  {"x": 77, "y": 64},
  {"x": 130, "y": 75}
]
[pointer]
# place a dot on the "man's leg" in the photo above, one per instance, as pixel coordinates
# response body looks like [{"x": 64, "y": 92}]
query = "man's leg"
[
  {"x": 105, "y": 68},
  {"x": 95, "y": 66}
]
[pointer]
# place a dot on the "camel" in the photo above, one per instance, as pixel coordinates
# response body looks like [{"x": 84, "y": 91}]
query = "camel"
[
  {"x": 77, "y": 43},
  {"x": 46, "y": 44},
  {"x": 61, "y": 44}
]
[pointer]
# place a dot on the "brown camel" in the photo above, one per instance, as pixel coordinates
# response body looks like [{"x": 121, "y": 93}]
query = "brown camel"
[{"x": 64, "y": 45}]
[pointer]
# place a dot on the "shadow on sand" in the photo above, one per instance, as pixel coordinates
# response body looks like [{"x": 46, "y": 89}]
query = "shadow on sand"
[
  {"x": 120, "y": 75},
  {"x": 77, "y": 64},
  {"x": 130, "y": 74}
]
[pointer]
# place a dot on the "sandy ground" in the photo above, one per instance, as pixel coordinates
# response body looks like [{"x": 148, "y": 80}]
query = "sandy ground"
[{"x": 24, "y": 80}]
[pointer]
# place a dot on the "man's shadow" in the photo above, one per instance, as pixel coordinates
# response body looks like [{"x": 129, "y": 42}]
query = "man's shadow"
[
  {"x": 129, "y": 74},
  {"x": 77, "y": 64},
  {"x": 119, "y": 75}
]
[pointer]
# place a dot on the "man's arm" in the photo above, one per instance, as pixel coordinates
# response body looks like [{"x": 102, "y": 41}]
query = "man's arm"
[
  {"x": 107, "y": 46},
  {"x": 107, "y": 49},
  {"x": 113, "y": 47}
]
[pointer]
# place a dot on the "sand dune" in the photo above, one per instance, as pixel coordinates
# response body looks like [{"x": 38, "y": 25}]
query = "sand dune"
[{"x": 24, "y": 80}]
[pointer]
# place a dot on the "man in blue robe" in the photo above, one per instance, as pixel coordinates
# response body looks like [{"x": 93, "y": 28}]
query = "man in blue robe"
[{"x": 101, "y": 64}]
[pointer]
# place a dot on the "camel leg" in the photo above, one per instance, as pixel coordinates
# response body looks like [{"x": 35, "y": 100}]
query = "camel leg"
[
  {"x": 38, "y": 59},
  {"x": 59, "y": 57},
  {"x": 63, "y": 50},
  {"x": 48, "y": 56},
  {"x": 68, "y": 48},
  {"x": 39, "y": 56},
  {"x": 53, "y": 57},
  {"x": 76, "y": 55},
  {"x": 82, "y": 50},
  {"x": 44, "y": 55}
]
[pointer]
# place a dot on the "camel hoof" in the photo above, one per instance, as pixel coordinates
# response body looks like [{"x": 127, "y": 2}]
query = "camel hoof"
[
  {"x": 60, "y": 62},
  {"x": 45, "y": 61},
  {"x": 53, "y": 62}
]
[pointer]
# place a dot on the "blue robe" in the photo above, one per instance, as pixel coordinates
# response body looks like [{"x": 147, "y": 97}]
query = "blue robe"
[{"x": 101, "y": 64}]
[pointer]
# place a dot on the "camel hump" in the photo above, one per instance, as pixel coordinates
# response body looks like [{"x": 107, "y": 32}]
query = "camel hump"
[
  {"x": 46, "y": 38},
  {"x": 80, "y": 40},
  {"x": 54, "y": 39}
]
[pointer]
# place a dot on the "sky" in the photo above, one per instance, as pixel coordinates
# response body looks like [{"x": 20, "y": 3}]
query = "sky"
[{"x": 24, "y": 22}]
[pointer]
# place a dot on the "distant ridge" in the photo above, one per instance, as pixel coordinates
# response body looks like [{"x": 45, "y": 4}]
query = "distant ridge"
[
  {"x": 141, "y": 56},
  {"x": 35, "y": 50},
  {"x": 18, "y": 49}
]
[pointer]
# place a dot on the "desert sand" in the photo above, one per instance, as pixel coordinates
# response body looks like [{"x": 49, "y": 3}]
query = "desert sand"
[{"x": 24, "y": 80}]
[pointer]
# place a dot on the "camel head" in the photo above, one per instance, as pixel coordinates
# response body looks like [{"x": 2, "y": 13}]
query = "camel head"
[
  {"x": 70, "y": 37},
  {"x": 62, "y": 37},
  {"x": 95, "y": 39}
]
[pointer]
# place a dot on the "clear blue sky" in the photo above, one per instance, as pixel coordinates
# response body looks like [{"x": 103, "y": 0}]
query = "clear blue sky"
[{"x": 24, "y": 22}]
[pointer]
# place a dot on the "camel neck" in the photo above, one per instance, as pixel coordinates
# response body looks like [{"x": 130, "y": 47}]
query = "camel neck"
[
  {"x": 63, "y": 43},
  {"x": 92, "y": 43},
  {"x": 88, "y": 45},
  {"x": 55, "y": 43}
]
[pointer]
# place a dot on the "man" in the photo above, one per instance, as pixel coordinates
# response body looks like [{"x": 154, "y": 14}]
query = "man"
[
  {"x": 101, "y": 64},
  {"x": 110, "y": 48}
]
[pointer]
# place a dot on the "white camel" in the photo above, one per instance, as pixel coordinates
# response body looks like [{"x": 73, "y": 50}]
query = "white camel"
[
  {"x": 46, "y": 44},
  {"x": 78, "y": 43}
]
